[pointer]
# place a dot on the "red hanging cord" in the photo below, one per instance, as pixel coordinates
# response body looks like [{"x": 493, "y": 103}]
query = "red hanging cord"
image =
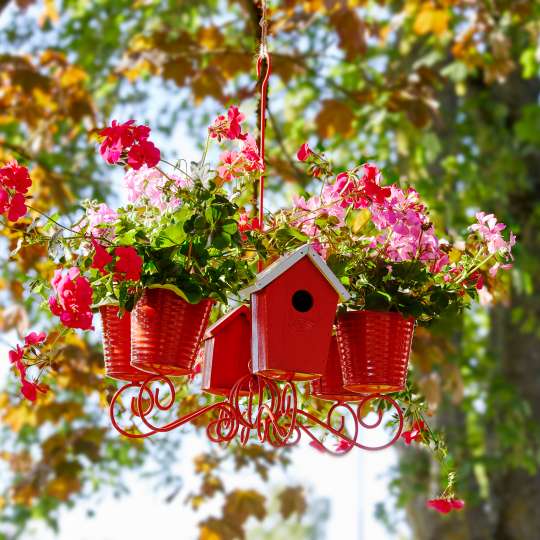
[
  {"x": 264, "y": 58},
  {"x": 264, "y": 90}
]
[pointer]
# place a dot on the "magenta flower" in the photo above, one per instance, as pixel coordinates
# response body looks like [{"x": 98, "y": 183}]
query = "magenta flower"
[
  {"x": 415, "y": 433},
  {"x": 128, "y": 265},
  {"x": 72, "y": 300},
  {"x": 250, "y": 153},
  {"x": 14, "y": 184},
  {"x": 304, "y": 152},
  {"x": 143, "y": 153},
  {"x": 101, "y": 258},
  {"x": 29, "y": 389},
  {"x": 34, "y": 338},
  {"x": 445, "y": 505},
  {"x": 247, "y": 223},
  {"x": 130, "y": 142},
  {"x": 228, "y": 127},
  {"x": 16, "y": 177},
  {"x": 231, "y": 166}
]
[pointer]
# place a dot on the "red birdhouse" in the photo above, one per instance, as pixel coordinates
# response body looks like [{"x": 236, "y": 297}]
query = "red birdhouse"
[
  {"x": 293, "y": 305},
  {"x": 227, "y": 351}
]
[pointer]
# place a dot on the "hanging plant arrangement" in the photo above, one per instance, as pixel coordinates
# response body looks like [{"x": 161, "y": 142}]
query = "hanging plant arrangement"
[{"x": 325, "y": 293}]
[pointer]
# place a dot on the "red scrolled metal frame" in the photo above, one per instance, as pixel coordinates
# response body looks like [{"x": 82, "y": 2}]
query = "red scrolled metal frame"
[{"x": 268, "y": 412}]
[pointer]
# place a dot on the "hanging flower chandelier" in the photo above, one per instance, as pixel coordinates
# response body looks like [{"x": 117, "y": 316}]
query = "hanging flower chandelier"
[{"x": 325, "y": 294}]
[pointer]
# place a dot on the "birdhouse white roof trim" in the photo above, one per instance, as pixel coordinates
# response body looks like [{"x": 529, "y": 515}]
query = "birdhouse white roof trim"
[
  {"x": 280, "y": 266},
  {"x": 225, "y": 319}
]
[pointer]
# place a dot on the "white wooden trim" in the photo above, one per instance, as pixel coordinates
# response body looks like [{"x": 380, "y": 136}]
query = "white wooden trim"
[{"x": 287, "y": 261}]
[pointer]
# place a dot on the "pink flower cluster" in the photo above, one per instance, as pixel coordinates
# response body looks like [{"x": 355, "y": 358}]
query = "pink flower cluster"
[
  {"x": 14, "y": 184},
  {"x": 350, "y": 189},
  {"x": 73, "y": 299},
  {"x": 415, "y": 433},
  {"x": 235, "y": 164},
  {"x": 130, "y": 142},
  {"x": 357, "y": 190},
  {"x": 150, "y": 185},
  {"x": 247, "y": 223},
  {"x": 228, "y": 127},
  {"x": 29, "y": 389},
  {"x": 489, "y": 230},
  {"x": 128, "y": 265},
  {"x": 406, "y": 232},
  {"x": 98, "y": 218}
]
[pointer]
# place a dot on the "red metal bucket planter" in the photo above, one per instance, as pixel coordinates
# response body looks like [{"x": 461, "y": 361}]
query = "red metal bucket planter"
[
  {"x": 166, "y": 332},
  {"x": 227, "y": 352},
  {"x": 374, "y": 348},
  {"x": 330, "y": 385},
  {"x": 117, "y": 345}
]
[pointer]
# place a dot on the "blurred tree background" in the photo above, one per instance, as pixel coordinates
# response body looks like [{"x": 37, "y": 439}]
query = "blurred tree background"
[{"x": 442, "y": 94}]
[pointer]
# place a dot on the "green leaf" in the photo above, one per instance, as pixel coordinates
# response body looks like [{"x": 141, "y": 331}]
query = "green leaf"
[
  {"x": 173, "y": 235},
  {"x": 230, "y": 226}
]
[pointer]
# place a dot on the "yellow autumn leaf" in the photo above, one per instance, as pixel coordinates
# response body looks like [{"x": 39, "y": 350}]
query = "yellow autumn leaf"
[
  {"x": 431, "y": 20},
  {"x": 2, "y": 503},
  {"x": 49, "y": 12},
  {"x": 208, "y": 534},
  {"x": 210, "y": 37},
  {"x": 335, "y": 117},
  {"x": 23, "y": 494},
  {"x": 454, "y": 255},
  {"x": 63, "y": 486},
  {"x": 360, "y": 219},
  {"x": 72, "y": 75},
  {"x": 44, "y": 100}
]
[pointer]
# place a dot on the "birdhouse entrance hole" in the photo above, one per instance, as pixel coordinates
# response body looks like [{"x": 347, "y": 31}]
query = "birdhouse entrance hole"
[{"x": 302, "y": 301}]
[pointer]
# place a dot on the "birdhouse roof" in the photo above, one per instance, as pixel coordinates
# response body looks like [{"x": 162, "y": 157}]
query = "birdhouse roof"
[
  {"x": 226, "y": 319},
  {"x": 280, "y": 266}
]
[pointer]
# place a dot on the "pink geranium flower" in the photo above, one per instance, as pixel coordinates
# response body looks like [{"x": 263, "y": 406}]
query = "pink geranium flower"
[
  {"x": 247, "y": 223},
  {"x": 14, "y": 183},
  {"x": 72, "y": 300},
  {"x": 489, "y": 229},
  {"x": 228, "y": 127},
  {"x": 445, "y": 505},
  {"x": 97, "y": 218},
  {"x": 128, "y": 265},
  {"x": 415, "y": 433},
  {"x": 231, "y": 166},
  {"x": 17, "y": 207},
  {"x": 16, "y": 177},
  {"x": 130, "y": 142},
  {"x": 28, "y": 389},
  {"x": 34, "y": 338},
  {"x": 304, "y": 152},
  {"x": 101, "y": 257},
  {"x": 143, "y": 153}
]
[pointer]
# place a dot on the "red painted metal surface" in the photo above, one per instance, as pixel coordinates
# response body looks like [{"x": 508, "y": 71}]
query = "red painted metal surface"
[
  {"x": 330, "y": 386},
  {"x": 166, "y": 332},
  {"x": 117, "y": 345},
  {"x": 289, "y": 344},
  {"x": 374, "y": 348},
  {"x": 227, "y": 352},
  {"x": 268, "y": 414}
]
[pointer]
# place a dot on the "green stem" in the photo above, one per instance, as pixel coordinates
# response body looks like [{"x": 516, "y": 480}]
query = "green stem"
[{"x": 480, "y": 264}]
